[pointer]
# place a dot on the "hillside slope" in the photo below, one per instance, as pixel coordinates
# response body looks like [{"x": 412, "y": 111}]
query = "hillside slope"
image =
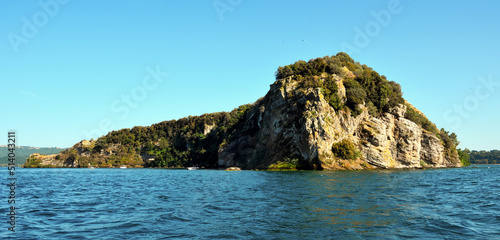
[
  {"x": 23, "y": 152},
  {"x": 328, "y": 113}
]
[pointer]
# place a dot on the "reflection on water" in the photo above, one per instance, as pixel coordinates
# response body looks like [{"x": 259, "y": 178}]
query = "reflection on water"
[{"x": 353, "y": 203}]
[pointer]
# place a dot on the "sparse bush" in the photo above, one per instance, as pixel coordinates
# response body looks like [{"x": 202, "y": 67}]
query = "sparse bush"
[
  {"x": 423, "y": 164},
  {"x": 345, "y": 149},
  {"x": 286, "y": 164},
  {"x": 420, "y": 120}
]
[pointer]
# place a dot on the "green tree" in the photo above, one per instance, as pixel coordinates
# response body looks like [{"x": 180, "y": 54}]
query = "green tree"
[
  {"x": 464, "y": 157},
  {"x": 355, "y": 95}
]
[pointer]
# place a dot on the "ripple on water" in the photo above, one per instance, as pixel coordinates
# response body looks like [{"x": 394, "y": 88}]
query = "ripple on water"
[{"x": 154, "y": 203}]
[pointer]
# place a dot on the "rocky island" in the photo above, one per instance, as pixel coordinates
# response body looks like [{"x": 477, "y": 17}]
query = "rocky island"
[{"x": 328, "y": 113}]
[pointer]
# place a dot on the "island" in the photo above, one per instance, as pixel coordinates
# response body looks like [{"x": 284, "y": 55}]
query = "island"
[{"x": 328, "y": 113}]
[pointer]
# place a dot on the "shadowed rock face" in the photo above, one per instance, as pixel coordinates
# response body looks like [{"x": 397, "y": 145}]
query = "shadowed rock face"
[{"x": 299, "y": 123}]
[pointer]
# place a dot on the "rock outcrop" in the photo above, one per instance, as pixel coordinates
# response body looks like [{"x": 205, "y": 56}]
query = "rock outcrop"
[
  {"x": 46, "y": 160},
  {"x": 297, "y": 123},
  {"x": 328, "y": 113}
]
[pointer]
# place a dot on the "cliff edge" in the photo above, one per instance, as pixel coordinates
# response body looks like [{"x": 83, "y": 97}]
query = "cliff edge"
[
  {"x": 296, "y": 123},
  {"x": 328, "y": 113}
]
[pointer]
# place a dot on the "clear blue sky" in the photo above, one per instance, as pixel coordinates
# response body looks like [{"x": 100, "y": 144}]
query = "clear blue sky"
[{"x": 67, "y": 67}]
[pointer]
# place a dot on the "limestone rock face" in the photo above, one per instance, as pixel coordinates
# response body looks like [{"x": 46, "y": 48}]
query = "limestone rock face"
[
  {"x": 208, "y": 129},
  {"x": 291, "y": 122},
  {"x": 55, "y": 160},
  {"x": 396, "y": 142},
  {"x": 50, "y": 160}
]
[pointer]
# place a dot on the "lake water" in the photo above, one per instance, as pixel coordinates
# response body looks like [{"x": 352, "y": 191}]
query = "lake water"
[{"x": 459, "y": 203}]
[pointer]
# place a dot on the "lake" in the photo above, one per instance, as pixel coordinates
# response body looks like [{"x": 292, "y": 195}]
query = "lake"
[{"x": 462, "y": 203}]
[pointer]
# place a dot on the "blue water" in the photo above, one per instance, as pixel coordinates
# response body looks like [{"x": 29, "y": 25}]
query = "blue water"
[{"x": 208, "y": 204}]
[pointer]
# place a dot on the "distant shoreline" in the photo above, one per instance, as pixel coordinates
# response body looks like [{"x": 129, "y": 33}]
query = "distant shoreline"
[{"x": 271, "y": 170}]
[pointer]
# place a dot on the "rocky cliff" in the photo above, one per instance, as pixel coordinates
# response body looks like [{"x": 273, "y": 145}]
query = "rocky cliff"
[
  {"x": 328, "y": 113},
  {"x": 291, "y": 122}
]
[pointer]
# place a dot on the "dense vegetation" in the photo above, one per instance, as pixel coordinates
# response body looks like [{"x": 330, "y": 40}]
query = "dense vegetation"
[
  {"x": 484, "y": 157},
  {"x": 22, "y": 153},
  {"x": 176, "y": 143},
  {"x": 464, "y": 156},
  {"x": 363, "y": 85}
]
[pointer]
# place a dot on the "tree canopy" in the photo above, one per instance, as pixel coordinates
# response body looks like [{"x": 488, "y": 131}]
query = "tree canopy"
[
  {"x": 484, "y": 157},
  {"x": 363, "y": 84}
]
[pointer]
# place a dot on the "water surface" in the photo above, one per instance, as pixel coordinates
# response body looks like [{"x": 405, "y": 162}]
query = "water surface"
[{"x": 459, "y": 203}]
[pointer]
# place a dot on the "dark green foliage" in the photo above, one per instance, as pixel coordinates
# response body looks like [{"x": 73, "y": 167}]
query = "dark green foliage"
[
  {"x": 372, "y": 110},
  {"x": 383, "y": 94},
  {"x": 450, "y": 140},
  {"x": 484, "y": 157},
  {"x": 355, "y": 95},
  {"x": 344, "y": 57},
  {"x": 464, "y": 157},
  {"x": 315, "y": 67},
  {"x": 345, "y": 149},
  {"x": 448, "y": 143},
  {"x": 176, "y": 143},
  {"x": 330, "y": 92},
  {"x": 372, "y": 89},
  {"x": 334, "y": 65}
]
